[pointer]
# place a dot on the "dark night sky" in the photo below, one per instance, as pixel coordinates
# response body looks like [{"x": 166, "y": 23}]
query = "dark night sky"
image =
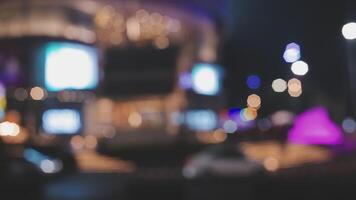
[{"x": 260, "y": 31}]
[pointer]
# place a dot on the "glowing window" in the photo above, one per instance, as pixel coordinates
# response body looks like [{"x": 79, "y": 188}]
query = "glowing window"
[
  {"x": 61, "y": 121},
  {"x": 206, "y": 79},
  {"x": 202, "y": 120},
  {"x": 70, "y": 66}
]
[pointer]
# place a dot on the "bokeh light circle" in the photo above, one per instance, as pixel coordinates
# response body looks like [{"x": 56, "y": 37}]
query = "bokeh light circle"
[
  {"x": 253, "y": 82},
  {"x": 349, "y": 31},
  {"x": 300, "y": 68},
  {"x": 248, "y": 114},
  {"x": 292, "y": 53},
  {"x": 254, "y": 101},
  {"x": 279, "y": 85}
]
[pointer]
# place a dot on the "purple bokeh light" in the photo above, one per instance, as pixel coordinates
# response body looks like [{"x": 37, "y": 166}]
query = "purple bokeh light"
[
  {"x": 2, "y": 90},
  {"x": 292, "y": 53},
  {"x": 10, "y": 72},
  {"x": 185, "y": 80},
  {"x": 314, "y": 127}
]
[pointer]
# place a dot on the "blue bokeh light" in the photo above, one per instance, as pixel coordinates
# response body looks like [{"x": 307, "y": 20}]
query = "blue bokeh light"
[
  {"x": 201, "y": 120},
  {"x": 253, "y": 82}
]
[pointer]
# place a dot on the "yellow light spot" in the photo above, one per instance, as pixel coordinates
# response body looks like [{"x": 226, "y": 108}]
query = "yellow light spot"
[
  {"x": 294, "y": 87},
  {"x": 219, "y": 135},
  {"x": 161, "y": 42},
  {"x": 116, "y": 38},
  {"x": 118, "y": 23},
  {"x": 208, "y": 54},
  {"x": 271, "y": 164},
  {"x": 133, "y": 29},
  {"x": 135, "y": 119},
  {"x": 215, "y": 137},
  {"x": 90, "y": 142},
  {"x": 156, "y": 17},
  {"x": 3, "y": 102},
  {"x": 77, "y": 142},
  {"x": 254, "y": 101},
  {"x": 37, "y": 93},
  {"x": 142, "y": 15},
  {"x": 104, "y": 15},
  {"x": 295, "y": 94}
]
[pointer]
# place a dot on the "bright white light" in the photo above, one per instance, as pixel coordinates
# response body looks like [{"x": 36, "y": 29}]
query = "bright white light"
[
  {"x": 279, "y": 85},
  {"x": 349, "y": 125},
  {"x": 50, "y": 166},
  {"x": 201, "y": 120},
  {"x": 230, "y": 126},
  {"x": 9, "y": 129},
  {"x": 63, "y": 121},
  {"x": 206, "y": 79},
  {"x": 292, "y": 53},
  {"x": 300, "y": 68},
  {"x": 47, "y": 166},
  {"x": 70, "y": 66},
  {"x": 349, "y": 31}
]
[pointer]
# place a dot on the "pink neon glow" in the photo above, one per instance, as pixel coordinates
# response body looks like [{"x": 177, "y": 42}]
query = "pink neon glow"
[{"x": 314, "y": 127}]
